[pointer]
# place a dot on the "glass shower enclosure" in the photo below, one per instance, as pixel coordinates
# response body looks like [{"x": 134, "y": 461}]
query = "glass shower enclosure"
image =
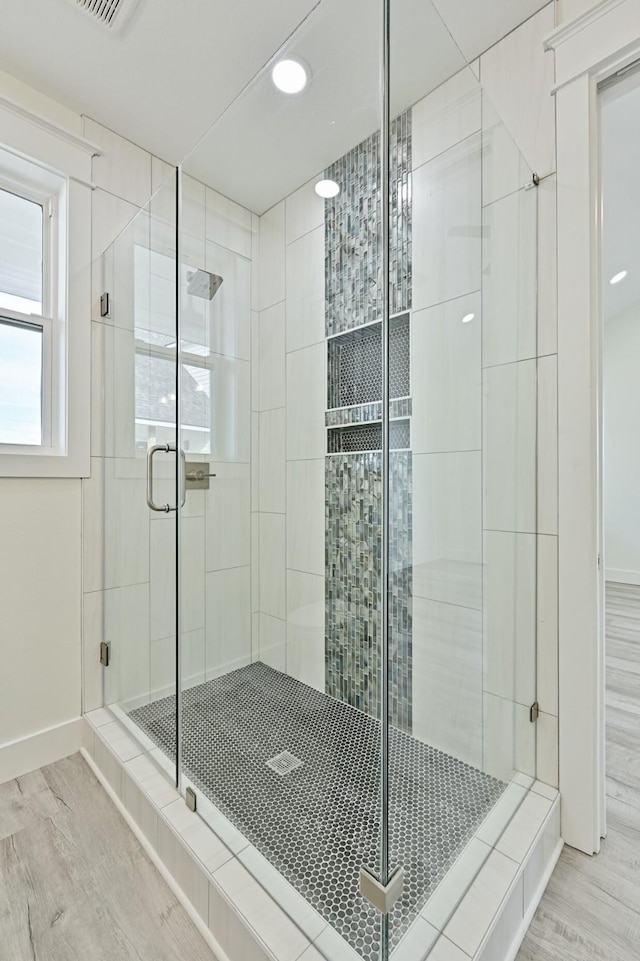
[{"x": 320, "y": 486}]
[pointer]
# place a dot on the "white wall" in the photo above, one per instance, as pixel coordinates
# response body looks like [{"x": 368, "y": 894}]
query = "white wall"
[
  {"x": 622, "y": 447},
  {"x": 41, "y": 579}
]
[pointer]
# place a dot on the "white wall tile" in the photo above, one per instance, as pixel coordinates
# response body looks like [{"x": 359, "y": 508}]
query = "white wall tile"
[
  {"x": 447, "y": 678},
  {"x": 271, "y": 265},
  {"x": 447, "y": 225},
  {"x": 126, "y": 558},
  {"x": 97, "y": 389},
  {"x": 161, "y": 173},
  {"x": 227, "y": 223},
  {"x": 162, "y": 667},
  {"x": 271, "y": 339},
  {"x": 122, "y": 168},
  {"x": 228, "y": 315},
  {"x": 305, "y": 515},
  {"x": 119, "y": 393},
  {"x": 93, "y": 527},
  {"x": 548, "y": 445},
  {"x": 509, "y": 303},
  {"x": 446, "y": 378},
  {"x": 510, "y": 447},
  {"x": 273, "y": 642},
  {"x": 228, "y": 517},
  {"x": 109, "y": 216},
  {"x": 139, "y": 807},
  {"x": 193, "y": 657},
  {"x": 255, "y": 460},
  {"x": 504, "y": 169},
  {"x": 192, "y": 233},
  {"x": 443, "y": 118},
  {"x": 471, "y": 921},
  {"x": 192, "y": 557},
  {"x": 518, "y": 75},
  {"x": 447, "y": 528},
  {"x": 493, "y": 826},
  {"x": 305, "y": 628},
  {"x": 305, "y": 290},
  {"x": 152, "y": 781},
  {"x": 183, "y": 868},
  {"x": 509, "y": 738},
  {"x": 255, "y": 261},
  {"x": 162, "y": 578},
  {"x": 228, "y": 619},
  {"x": 92, "y": 637},
  {"x": 547, "y": 749},
  {"x": 510, "y": 615},
  {"x": 204, "y": 843},
  {"x": 521, "y": 831},
  {"x": 306, "y": 402},
  {"x": 272, "y": 461},
  {"x": 126, "y": 628},
  {"x": 304, "y": 210},
  {"x": 273, "y": 927},
  {"x": 230, "y": 409},
  {"x": 547, "y": 649},
  {"x": 255, "y": 360},
  {"x": 446, "y": 897},
  {"x": 255, "y": 561},
  {"x": 272, "y": 565},
  {"x": 547, "y": 268}
]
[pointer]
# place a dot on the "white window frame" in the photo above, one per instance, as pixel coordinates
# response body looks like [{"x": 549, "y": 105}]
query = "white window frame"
[{"x": 45, "y": 163}]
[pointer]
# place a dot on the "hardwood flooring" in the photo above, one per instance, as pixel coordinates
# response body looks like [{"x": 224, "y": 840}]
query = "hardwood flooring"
[
  {"x": 75, "y": 885},
  {"x": 591, "y": 909}
]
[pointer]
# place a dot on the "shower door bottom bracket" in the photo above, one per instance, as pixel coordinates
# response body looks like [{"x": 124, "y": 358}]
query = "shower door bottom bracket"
[{"x": 382, "y": 897}]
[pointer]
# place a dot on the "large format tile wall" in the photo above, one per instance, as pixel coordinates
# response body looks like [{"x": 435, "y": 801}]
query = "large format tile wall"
[
  {"x": 484, "y": 417},
  {"x": 129, "y": 553}
]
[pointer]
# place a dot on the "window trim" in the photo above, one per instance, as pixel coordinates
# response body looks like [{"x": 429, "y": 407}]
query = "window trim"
[{"x": 32, "y": 143}]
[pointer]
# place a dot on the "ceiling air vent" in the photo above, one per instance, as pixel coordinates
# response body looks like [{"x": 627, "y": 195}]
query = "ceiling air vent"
[{"x": 110, "y": 13}]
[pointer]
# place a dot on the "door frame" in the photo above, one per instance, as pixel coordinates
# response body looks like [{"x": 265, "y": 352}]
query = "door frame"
[{"x": 588, "y": 49}]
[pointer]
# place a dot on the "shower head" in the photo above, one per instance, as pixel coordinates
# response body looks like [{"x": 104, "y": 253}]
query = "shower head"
[{"x": 203, "y": 284}]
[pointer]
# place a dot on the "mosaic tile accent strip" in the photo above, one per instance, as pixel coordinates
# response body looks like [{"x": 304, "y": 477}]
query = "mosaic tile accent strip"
[
  {"x": 366, "y": 413},
  {"x": 319, "y": 823},
  {"x": 353, "y": 533},
  {"x": 354, "y": 364},
  {"x": 368, "y": 437},
  {"x": 353, "y": 232}
]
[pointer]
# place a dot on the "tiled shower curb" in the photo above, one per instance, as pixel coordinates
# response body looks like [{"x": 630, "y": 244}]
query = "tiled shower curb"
[{"x": 245, "y": 910}]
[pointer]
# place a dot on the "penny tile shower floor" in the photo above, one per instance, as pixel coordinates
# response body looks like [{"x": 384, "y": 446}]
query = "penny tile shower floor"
[{"x": 318, "y": 823}]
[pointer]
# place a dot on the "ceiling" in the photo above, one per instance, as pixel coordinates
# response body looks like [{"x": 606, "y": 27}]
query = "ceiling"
[
  {"x": 175, "y": 68},
  {"x": 620, "y": 133}
]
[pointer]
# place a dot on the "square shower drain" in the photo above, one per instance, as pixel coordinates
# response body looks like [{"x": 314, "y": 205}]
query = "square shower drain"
[{"x": 284, "y": 763}]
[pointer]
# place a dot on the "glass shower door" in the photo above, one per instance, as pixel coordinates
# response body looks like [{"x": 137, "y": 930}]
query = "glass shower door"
[{"x": 142, "y": 476}]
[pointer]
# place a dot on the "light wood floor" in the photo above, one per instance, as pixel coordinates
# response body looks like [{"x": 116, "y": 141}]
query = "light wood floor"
[
  {"x": 75, "y": 885},
  {"x": 591, "y": 909}
]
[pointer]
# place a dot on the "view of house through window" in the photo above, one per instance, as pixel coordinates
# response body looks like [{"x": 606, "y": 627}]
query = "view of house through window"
[{"x": 21, "y": 342}]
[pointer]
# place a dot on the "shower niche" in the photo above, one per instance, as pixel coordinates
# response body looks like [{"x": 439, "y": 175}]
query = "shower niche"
[{"x": 354, "y": 387}]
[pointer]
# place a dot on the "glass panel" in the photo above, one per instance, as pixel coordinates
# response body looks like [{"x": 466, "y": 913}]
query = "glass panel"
[
  {"x": 20, "y": 383},
  {"x": 20, "y": 254},
  {"x": 140, "y": 551},
  {"x": 462, "y": 504}
]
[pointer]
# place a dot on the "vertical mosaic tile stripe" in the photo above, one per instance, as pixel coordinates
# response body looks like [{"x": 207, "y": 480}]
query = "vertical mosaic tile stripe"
[{"x": 353, "y": 493}]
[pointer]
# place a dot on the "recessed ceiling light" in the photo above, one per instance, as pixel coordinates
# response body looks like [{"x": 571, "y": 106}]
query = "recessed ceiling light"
[
  {"x": 618, "y": 277},
  {"x": 327, "y": 189},
  {"x": 467, "y": 318},
  {"x": 290, "y": 76}
]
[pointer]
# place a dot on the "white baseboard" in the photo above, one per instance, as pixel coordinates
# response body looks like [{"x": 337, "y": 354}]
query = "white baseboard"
[
  {"x": 622, "y": 577},
  {"x": 32, "y": 752}
]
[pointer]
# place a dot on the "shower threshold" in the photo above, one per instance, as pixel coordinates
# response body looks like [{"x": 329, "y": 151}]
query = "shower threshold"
[{"x": 298, "y": 773}]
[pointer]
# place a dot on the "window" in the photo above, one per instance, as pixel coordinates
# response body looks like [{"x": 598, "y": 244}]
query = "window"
[{"x": 45, "y": 297}]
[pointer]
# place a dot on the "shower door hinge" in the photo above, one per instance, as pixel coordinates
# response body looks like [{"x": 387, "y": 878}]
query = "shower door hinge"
[
  {"x": 105, "y": 305},
  {"x": 534, "y": 712},
  {"x": 381, "y": 896},
  {"x": 105, "y": 653},
  {"x": 190, "y": 799}
]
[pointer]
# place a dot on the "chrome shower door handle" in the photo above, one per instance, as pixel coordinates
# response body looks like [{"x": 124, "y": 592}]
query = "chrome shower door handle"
[{"x": 165, "y": 449}]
